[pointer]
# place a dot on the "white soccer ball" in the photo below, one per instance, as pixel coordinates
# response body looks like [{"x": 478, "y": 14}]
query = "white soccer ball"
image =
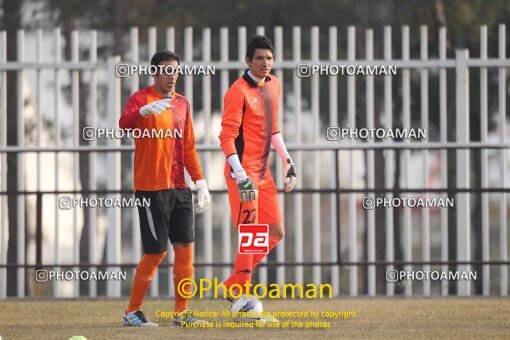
[{"x": 246, "y": 309}]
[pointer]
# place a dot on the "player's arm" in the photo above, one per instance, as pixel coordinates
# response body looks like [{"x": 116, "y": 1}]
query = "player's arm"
[
  {"x": 230, "y": 123},
  {"x": 137, "y": 108},
  {"x": 289, "y": 169},
  {"x": 193, "y": 166}
]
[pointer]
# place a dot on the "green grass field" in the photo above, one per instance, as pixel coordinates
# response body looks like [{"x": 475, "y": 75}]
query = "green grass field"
[{"x": 382, "y": 318}]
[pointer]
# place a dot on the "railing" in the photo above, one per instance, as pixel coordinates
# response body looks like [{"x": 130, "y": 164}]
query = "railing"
[{"x": 299, "y": 250}]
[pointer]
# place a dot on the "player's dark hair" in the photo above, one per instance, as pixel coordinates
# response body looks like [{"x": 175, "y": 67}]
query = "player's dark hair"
[
  {"x": 259, "y": 41},
  {"x": 164, "y": 55}
]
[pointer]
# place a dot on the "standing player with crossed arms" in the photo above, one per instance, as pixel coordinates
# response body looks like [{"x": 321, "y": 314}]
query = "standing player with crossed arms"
[
  {"x": 248, "y": 128},
  {"x": 159, "y": 176}
]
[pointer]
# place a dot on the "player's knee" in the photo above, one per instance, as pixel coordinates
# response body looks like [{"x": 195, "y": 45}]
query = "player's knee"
[
  {"x": 148, "y": 265},
  {"x": 155, "y": 259},
  {"x": 160, "y": 256}
]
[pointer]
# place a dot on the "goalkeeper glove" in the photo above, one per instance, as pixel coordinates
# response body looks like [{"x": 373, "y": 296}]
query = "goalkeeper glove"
[
  {"x": 246, "y": 187},
  {"x": 289, "y": 175},
  {"x": 155, "y": 108},
  {"x": 204, "y": 199}
]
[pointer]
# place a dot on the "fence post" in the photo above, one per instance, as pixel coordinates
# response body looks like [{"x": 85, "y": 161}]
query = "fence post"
[
  {"x": 298, "y": 197},
  {"x": 21, "y": 169},
  {"x": 3, "y": 165},
  {"x": 502, "y": 93},
  {"x": 92, "y": 120},
  {"x": 351, "y": 121},
  {"x": 462, "y": 201},
  {"x": 316, "y": 206},
  {"x": 113, "y": 161}
]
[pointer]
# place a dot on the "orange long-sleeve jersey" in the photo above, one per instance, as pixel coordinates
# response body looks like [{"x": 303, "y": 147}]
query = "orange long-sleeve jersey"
[
  {"x": 159, "y": 162},
  {"x": 250, "y": 118}
]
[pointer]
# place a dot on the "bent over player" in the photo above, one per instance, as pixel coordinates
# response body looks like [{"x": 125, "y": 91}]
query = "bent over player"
[
  {"x": 248, "y": 128},
  {"x": 159, "y": 177}
]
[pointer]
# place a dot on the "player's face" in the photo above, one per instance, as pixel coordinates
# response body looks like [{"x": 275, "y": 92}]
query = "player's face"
[
  {"x": 261, "y": 64},
  {"x": 165, "y": 82}
]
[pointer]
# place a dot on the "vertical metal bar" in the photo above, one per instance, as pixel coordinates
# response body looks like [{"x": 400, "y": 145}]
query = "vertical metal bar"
[
  {"x": 424, "y": 94},
  {"x": 333, "y": 81},
  {"x": 152, "y": 42},
  {"x": 135, "y": 58},
  {"x": 3, "y": 168},
  {"x": 280, "y": 249},
  {"x": 21, "y": 167},
  {"x": 170, "y": 39},
  {"x": 226, "y": 229},
  {"x": 260, "y": 30},
  {"x": 93, "y": 159},
  {"x": 188, "y": 57},
  {"x": 444, "y": 160},
  {"x": 389, "y": 163},
  {"x": 188, "y": 81},
  {"x": 333, "y": 121},
  {"x": 484, "y": 115},
  {"x": 136, "y": 237},
  {"x": 39, "y": 92},
  {"x": 406, "y": 114},
  {"x": 58, "y": 134},
  {"x": 241, "y": 46},
  {"x": 370, "y": 173},
  {"x": 113, "y": 162},
  {"x": 351, "y": 114},
  {"x": 463, "y": 201},
  {"x": 298, "y": 197},
  {"x": 206, "y": 89},
  {"x": 75, "y": 100},
  {"x": 503, "y": 229},
  {"x": 134, "y": 86},
  {"x": 224, "y": 56},
  {"x": 316, "y": 227}
]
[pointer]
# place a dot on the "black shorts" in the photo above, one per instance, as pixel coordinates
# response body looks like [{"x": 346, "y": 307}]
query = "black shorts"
[{"x": 170, "y": 216}]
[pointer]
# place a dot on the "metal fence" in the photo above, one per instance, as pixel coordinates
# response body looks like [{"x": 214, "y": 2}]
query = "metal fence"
[{"x": 328, "y": 238}]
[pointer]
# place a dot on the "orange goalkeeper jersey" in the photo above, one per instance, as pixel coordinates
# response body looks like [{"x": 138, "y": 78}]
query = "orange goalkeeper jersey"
[
  {"x": 249, "y": 120},
  {"x": 159, "y": 162}
]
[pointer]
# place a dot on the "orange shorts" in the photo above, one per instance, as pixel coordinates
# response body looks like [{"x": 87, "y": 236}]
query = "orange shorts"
[{"x": 265, "y": 209}]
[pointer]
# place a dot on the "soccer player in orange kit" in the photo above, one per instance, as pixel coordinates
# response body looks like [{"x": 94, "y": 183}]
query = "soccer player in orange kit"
[
  {"x": 159, "y": 176},
  {"x": 248, "y": 128}
]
